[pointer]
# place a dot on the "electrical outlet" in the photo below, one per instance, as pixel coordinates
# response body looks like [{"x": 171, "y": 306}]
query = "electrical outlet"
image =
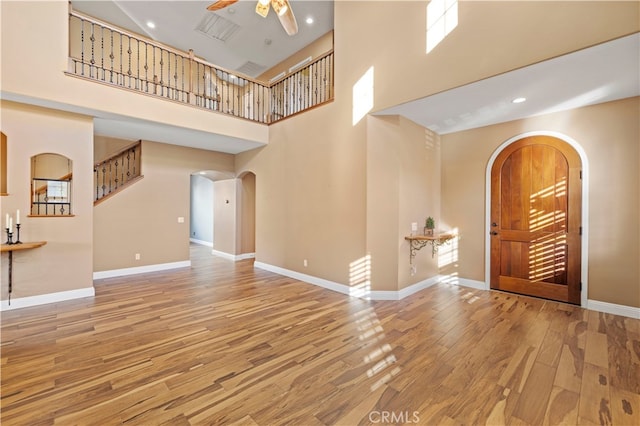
[
  {"x": 137, "y": 256},
  {"x": 304, "y": 262},
  {"x": 181, "y": 219},
  {"x": 414, "y": 226}
]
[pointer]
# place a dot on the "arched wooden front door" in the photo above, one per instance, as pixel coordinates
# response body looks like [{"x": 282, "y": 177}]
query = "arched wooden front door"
[{"x": 536, "y": 218}]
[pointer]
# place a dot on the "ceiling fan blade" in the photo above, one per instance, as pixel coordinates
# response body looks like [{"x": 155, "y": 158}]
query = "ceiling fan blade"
[
  {"x": 262, "y": 7},
  {"x": 288, "y": 20},
  {"x": 220, "y": 4}
]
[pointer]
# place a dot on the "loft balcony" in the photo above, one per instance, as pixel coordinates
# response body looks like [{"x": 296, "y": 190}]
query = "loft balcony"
[{"x": 104, "y": 53}]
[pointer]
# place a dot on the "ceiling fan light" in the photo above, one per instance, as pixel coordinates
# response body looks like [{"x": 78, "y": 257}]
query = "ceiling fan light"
[
  {"x": 262, "y": 8},
  {"x": 280, "y": 6}
]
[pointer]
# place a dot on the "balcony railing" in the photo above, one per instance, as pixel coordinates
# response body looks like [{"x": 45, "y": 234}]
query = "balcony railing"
[{"x": 108, "y": 54}]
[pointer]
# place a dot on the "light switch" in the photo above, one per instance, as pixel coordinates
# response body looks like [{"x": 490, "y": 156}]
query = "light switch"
[{"x": 181, "y": 219}]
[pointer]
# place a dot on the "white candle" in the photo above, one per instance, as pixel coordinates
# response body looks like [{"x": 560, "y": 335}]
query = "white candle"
[
  {"x": 18, "y": 217},
  {"x": 6, "y": 222},
  {"x": 10, "y": 225}
]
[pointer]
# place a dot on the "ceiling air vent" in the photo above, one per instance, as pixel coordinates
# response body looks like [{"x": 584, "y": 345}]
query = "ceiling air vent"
[
  {"x": 215, "y": 26},
  {"x": 251, "y": 68}
]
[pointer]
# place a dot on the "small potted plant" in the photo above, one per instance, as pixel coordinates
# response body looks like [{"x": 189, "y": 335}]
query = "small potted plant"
[{"x": 429, "y": 226}]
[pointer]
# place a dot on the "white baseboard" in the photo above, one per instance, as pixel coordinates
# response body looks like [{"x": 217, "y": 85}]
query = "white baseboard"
[
  {"x": 464, "y": 282},
  {"x": 321, "y": 282},
  {"x": 612, "y": 308},
  {"x": 233, "y": 257},
  {"x": 351, "y": 291},
  {"x": 43, "y": 299},
  {"x": 141, "y": 269},
  {"x": 200, "y": 242},
  {"x": 244, "y": 256}
]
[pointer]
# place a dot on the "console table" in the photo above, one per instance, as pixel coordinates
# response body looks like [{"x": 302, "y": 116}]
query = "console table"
[
  {"x": 416, "y": 242},
  {"x": 17, "y": 247}
]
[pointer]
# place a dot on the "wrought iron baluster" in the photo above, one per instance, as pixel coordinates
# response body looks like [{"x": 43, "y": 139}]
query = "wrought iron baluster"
[
  {"x": 101, "y": 54},
  {"x": 111, "y": 57},
  {"x": 129, "y": 52},
  {"x": 161, "y": 72},
  {"x": 146, "y": 67},
  {"x": 93, "y": 60},
  {"x": 82, "y": 46},
  {"x": 116, "y": 174}
]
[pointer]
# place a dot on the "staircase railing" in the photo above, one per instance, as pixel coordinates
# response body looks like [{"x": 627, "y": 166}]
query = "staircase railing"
[
  {"x": 103, "y": 52},
  {"x": 116, "y": 172}
]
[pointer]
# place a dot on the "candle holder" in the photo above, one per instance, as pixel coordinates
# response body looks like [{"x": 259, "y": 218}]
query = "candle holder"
[
  {"x": 9, "y": 236},
  {"x": 18, "y": 234}
]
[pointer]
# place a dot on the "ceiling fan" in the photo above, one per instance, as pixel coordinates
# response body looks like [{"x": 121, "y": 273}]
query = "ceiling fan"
[{"x": 281, "y": 7}]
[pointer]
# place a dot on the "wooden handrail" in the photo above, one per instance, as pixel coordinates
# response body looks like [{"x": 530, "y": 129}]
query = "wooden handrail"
[
  {"x": 284, "y": 77},
  {"x": 120, "y": 151},
  {"x": 43, "y": 188}
]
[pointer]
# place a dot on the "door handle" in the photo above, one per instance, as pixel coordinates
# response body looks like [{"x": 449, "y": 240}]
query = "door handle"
[
  {"x": 493, "y": 233},
  {"x": 494, "y": 224}
]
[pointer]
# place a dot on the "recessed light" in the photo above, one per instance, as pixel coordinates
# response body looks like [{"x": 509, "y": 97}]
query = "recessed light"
[
  {"x": 232, "y": 77},
  {"x": 518, "y": 100},
  {"x": 309, "y": 20},
  {"x": 203, "y": 173},
  {"x": 151, "y": 24},
  {"x": 231, "y": 10}
]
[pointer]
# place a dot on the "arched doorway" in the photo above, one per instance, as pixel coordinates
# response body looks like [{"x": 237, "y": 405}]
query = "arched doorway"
[{"x": 536, "y": 219}]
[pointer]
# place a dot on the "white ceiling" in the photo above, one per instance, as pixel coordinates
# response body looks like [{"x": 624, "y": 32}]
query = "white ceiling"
[
  {"x": 602, "y": 73},
  {"x": 175, "y": 23}
]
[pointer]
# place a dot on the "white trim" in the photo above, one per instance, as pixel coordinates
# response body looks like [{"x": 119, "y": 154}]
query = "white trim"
[
  {"x": 141, "y": 269},
  {"x": 43, "y": 299},
  {"x": 463, "y": 282},
  {"x": 201, "y": 242},
  {"x": 351, "y": 291},
  {"x": 233, "y": 257},
  {"x": 612, "y": 308},
  {"x": 340, "y": 288},
  {"x": 244, "y": 256},
  {"x": 585, "y": 207},
  {"x": 414, "y": 288}
]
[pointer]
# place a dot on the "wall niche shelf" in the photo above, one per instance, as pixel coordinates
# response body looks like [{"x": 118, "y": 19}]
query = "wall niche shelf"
[{"x": 417, "y": 242}]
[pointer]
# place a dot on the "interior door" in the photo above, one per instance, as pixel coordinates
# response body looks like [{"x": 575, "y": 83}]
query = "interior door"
[{"x": 536, "y": 218}]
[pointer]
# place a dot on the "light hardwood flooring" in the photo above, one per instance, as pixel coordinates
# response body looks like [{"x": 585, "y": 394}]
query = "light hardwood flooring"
[{"x": 222, "y": 343}]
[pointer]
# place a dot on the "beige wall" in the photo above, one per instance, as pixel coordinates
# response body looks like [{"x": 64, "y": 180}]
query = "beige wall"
[
  {"x": 312, "y": 192},
  {"x": 492, "y": 37},
  {"x": 610, "y": 136},
  {"x": 247, "y": 213},
  {"x": 65, "y": 262},
  {"x": 403, "y": 187},
  {"x": 225, "y": 208},
  {"x": 144, "y": 217},
  {"x": 104, "y": 147}
]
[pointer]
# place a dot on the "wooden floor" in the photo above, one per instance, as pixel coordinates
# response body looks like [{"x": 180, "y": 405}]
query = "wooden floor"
[{"x": 222, "y": 343}]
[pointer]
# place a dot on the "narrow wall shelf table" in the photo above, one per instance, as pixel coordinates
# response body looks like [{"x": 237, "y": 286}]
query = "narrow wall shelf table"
[
  {"x": 10, "y": 248},
  {"x": 416, "y": 242}
]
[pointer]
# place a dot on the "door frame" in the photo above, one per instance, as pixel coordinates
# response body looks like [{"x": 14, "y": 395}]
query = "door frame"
[{"x": 584, "y": 255}]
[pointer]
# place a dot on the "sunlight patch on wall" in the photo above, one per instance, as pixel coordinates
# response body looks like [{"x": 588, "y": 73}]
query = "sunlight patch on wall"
[
  {"x": 448, "y": 252},
  {"x": 442, "y": 18},
  {"x": 360, "y": 277},
  {"x": 363, "y": 96}
]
